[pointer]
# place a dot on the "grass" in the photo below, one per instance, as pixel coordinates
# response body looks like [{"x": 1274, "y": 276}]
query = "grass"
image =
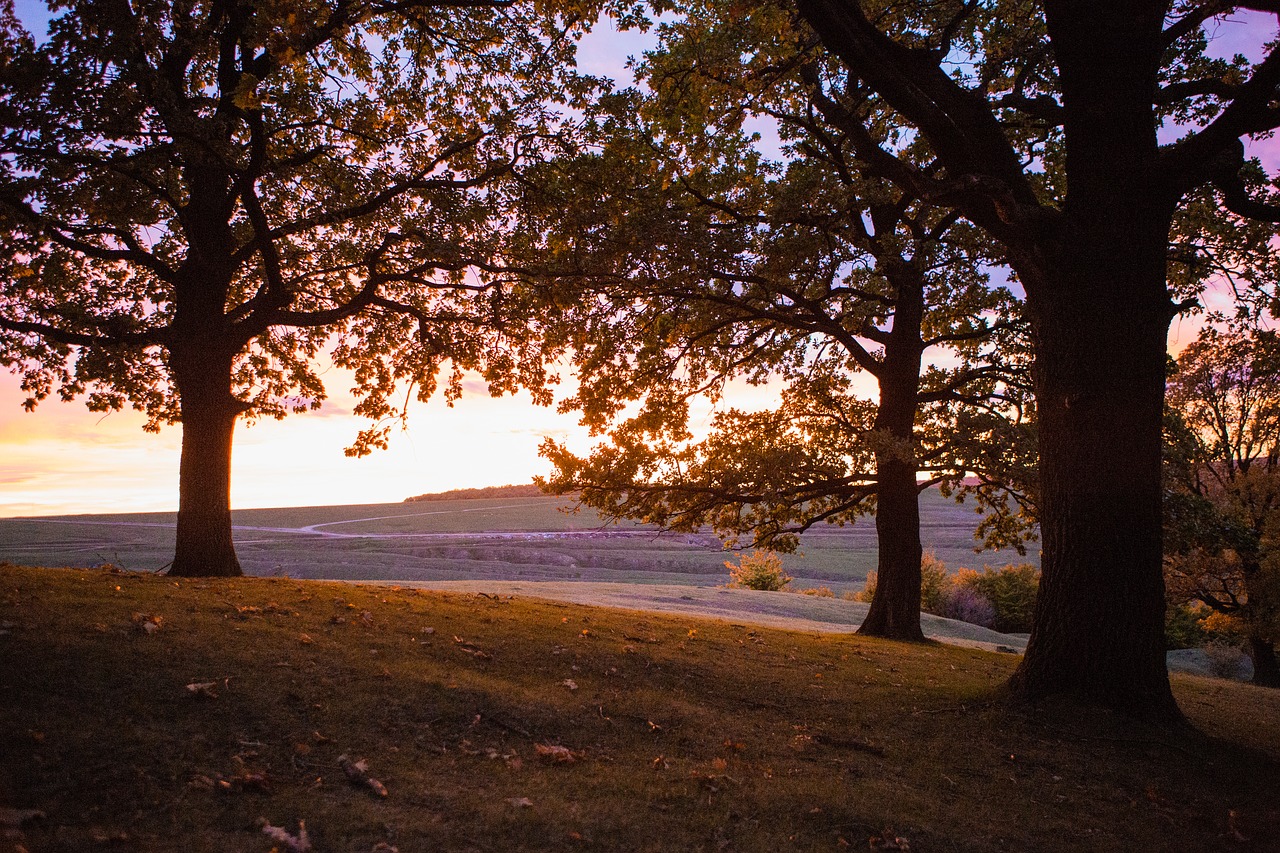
[
  {"x": 684, "y": 734},
  {"x": 463, "y": 539}
]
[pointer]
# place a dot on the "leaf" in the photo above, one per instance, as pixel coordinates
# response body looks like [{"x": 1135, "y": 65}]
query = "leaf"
[
  {"x": 358, "y": 775},
  {"x": 570, "y": 684},
  {"x": 556, "y": 754},
  {"x": 203, "y": 688},
  {"x": 299, "y": 843},
  {"x": 521, "y": 802}
]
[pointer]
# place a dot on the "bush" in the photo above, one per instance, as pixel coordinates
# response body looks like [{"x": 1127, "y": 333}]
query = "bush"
[
  {"x": 819, "y": 592},
  {"x": 967, "y": 605},
  {"x": 1008, "y": 592},
  {"x": 868, "y": 590},
  {"x": 935, "y": 583},
  {"x": 1011, "y": 591},
  {"x": 758, "y": 570},
  {"x": 1225, "y": 659}
]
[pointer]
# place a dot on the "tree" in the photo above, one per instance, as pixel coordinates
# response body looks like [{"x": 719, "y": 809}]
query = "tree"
[
  {"x": 1043, "y": 122},
  {"x": 196, "y": 198},
  {"x": 698, "y": 261},
  {"x": 1222, "y": 512}
]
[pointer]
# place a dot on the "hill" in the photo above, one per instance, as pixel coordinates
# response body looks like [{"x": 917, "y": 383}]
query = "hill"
[
  {"x": 528, "y": 490},
  {"x": 530, "y": 538},
  {"x": 145, "y": 713}
]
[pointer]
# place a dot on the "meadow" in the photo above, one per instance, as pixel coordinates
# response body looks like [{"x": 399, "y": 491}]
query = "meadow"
[
  {"x": 536, "y": 538},
  {"x": 151, "y": 714}
]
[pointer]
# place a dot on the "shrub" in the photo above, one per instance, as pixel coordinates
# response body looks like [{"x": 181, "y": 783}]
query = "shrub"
[
  {"x": 935, "y": 584},
  {"x": 967, "y": 605},
  {"x": 1011, "y": 591},
  {"x": 1225, "y": 659},
  {"x": 1183, "y": 628},
  {"x": 819, "y": 592},
  {"x": 868, "y": 590},
  {"x": 758, "y": 570}
]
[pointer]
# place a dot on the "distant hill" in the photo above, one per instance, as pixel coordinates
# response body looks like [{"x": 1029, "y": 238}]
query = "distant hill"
[{"x": 528, "y": 490}]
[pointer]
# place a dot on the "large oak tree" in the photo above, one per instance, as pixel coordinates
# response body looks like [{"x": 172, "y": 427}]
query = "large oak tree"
[
  {"x": 698, "y": 261},
  {"x": 199, "y": 197},
  {"x": 1084, "y": 209}
]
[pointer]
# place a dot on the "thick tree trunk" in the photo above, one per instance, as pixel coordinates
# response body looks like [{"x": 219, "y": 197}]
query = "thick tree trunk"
[
  {"x": 895, "y": 607},
  {"x": 1098, "y": 630},
  {"x": 209, "y": 411},
  {"x": 1266, "y": 669},
  {"x": 1100, "y": 312}
]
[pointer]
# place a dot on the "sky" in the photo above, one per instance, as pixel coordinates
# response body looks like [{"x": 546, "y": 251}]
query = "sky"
[{"x": 63, "y": 459}]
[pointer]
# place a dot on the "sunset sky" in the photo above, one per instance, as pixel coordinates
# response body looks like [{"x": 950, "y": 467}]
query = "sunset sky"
[{"x": 64, "y": 459}]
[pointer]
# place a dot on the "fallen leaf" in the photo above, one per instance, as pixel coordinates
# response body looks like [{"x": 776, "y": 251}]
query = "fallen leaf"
[
  {"x": 146, "y": 624},
  {"x": 556, "y": 754},
  {"x": 203, "y": 688},
  {"x": 889, "y": 840},
  {"x": 299, "y": 843},
  {"x": 570, "y": 683},
  {"x": 521, "y": 802},
  {"x": 358, "y": 774}
]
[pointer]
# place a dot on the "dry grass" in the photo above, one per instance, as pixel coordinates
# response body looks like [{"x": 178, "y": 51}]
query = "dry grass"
[{"x": 684, "y": 734}]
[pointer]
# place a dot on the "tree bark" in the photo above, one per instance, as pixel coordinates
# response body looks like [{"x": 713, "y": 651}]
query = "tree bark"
[
  {"x": 895, "y": 607},
  {"x": 1100, "y": 311},
  {"x": 203, "y": 545},
  {"x": 1266, "y": 669}
]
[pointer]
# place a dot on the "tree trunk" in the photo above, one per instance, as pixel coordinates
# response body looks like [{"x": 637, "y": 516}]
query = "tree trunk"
[
  {"x": 1266, "y": 669},
  {"x": 1100, "y": 310},
  {"x": 209, "y": 411},
  {"x": 1098, "y": 630},
  {"x": 895, "y": 607}
]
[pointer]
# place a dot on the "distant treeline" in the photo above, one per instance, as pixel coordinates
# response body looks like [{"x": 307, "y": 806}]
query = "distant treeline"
[{"x": 528, "y": 490}]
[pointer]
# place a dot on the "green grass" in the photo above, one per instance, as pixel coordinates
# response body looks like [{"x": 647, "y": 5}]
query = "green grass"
[
  {"x": 463, "y": 539},
  {"x": 687, "y": 734}
]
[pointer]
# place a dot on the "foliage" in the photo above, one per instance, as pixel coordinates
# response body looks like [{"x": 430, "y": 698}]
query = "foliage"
[
  {"x": 200, "y": 199},
  {"x": 1225, "y": 659},
  {"x": 968, "y": 605},
  {"x": 1183, "y": 626},
  {"x": 935, "y": 583},
  {"x": 818, "y": 592},
  {"x": 1001, "y": 598},
  {"x": 1012, "y": 591},
  {"x": 1222, "y": 481},
  {"x": 760, "y": 570}
]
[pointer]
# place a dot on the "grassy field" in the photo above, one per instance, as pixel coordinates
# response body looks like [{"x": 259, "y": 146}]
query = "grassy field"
[
  {"x": 510, "y": 539},
  {"x": 147, "y": 714}
]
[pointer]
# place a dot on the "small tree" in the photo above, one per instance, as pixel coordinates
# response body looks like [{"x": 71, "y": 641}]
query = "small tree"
[{"x": 1222, "y": 476}]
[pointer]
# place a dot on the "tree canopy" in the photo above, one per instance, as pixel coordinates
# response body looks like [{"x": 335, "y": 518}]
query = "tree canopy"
[
  {"x": 1222, "y": 507},
  {"x": 699, "y": 259},
  {"x": 198, "y": 199}
]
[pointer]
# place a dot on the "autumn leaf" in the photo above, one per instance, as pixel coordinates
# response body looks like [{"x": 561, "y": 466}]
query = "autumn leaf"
[
  {"x": 555, "y": 754},
  {"x": 299, "y": 843},
  {"x": 358, "y": 774}
]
